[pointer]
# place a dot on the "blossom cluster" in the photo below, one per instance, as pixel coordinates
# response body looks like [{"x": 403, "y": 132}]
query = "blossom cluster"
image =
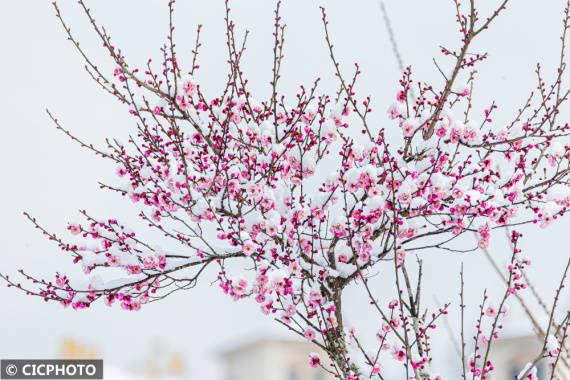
[{"x": 292, "y": 204}]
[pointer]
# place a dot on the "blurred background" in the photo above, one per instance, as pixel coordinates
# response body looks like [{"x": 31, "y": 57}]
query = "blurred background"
[{"x": 203, "y": 334}]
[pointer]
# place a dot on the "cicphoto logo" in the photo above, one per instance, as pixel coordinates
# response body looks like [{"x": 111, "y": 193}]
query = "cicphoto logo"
[{"x": 51, "y": 369}]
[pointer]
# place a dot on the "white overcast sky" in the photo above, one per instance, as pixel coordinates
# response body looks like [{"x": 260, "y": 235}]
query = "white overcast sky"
[{"x": 51, "y": 177}]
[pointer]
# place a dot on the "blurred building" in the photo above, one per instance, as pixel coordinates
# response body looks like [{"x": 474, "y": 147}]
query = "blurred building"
[
  {"x": 510, "y": 356},
  {"x": 273, "y": 359},
  {"x": 72, "y": 349},
  {"x": 161, "y": 363}
]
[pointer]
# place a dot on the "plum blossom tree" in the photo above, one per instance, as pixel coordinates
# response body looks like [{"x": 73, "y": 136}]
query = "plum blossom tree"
[{"x": 245, "y": 185}]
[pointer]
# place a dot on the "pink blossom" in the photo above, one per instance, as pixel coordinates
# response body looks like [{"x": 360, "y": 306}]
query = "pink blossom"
[
  {"x": 455, "y": 135},
  {"x": 394, "y": 111},
  {"x": 240, "y": 286},
  {"x": 505, "y": 310},
  {"x": 377, "y": 368},
  {"x": 291, "y": 310},
  {"x": 75, "y": 229},
  {"x": 398, "y": 354},
  {"x": 400, "y": 256},
  {"x": 314, "y": 360},
  {"x": 189, "y": 87},
  {"x": 409, "y": 127},
  {"x": 310, "y": 334},
  {"x": 248, "y": 248},
  {"x": 60, "y": 282},
  {"x": 441, "y": 131},
  {"x": 295, "y": 268},
  {"x": 113, "y": 260},
  {"x": 364, "y": 256},
  {"x": 491, "y": 311}
]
